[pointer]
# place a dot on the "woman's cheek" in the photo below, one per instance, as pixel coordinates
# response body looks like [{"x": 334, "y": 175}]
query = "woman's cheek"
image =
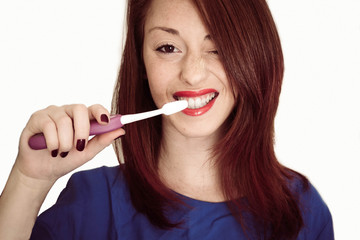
[{"x": 158, "y": 93}]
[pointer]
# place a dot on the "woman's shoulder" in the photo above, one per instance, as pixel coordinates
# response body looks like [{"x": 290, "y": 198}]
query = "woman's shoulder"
[
  {"x": 103, "y": 173},
  {"x": 93, "y": 184},
  {"x": 89, "y": 199},
  {"x": 316, "y": 214},
  {"x": 305, "y": 191}
]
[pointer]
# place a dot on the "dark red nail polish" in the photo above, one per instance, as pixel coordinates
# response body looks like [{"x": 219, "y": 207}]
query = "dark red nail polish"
[
  {"x": 80, "y": 145},
  {"x": 54, "y": 153},
  {"x": 64, "y": 154},
  {"x": 104, "y": 118}
]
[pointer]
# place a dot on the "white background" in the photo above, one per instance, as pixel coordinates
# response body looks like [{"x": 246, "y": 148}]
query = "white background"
[{"x": 62, "y": 52}]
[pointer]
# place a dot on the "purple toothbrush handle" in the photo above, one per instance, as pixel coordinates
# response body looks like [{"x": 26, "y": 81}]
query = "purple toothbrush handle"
[
  {"x": 38, "y": 142},
  {"x": 96, "y": 128}
]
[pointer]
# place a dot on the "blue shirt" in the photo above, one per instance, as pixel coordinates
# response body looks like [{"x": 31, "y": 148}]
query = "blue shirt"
[{"x": 96, "y": 205}]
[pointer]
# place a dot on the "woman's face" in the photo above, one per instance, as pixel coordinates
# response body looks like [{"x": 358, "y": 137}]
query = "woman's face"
[{"x": 181, "y": 62}]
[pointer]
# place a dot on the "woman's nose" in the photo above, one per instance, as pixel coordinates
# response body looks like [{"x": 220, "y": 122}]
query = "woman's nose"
[{"x": 193, "y": 70}]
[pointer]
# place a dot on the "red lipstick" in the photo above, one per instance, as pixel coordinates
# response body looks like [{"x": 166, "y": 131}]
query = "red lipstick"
[{"x": 199, "y": 101}]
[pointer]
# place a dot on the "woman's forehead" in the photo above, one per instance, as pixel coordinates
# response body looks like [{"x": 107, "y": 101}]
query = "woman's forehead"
[
  {"x": 178, "y": 15},
  {"x": 171, "y": 11}
]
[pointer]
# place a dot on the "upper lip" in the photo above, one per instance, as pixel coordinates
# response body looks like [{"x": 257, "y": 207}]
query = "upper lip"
[{"x": 193, "y": 94}]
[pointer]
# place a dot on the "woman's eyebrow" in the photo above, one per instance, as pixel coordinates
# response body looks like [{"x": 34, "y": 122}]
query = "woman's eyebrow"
[
  {"x": 165, "y": 29},
  {"x": 174, "y": 32}
]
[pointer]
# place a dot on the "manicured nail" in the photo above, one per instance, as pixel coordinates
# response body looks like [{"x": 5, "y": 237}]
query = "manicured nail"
[
  {"x": 54, "y": 153},
  {"x": 64, "y": 154},
  {"x": 80, "y": 145},
  {"x": 104, "y": 118}
]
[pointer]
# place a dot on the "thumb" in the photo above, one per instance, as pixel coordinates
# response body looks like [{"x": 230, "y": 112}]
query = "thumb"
[{"x": 99, "y": 142}]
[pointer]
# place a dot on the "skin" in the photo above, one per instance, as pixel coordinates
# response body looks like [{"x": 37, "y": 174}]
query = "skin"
[{"x": 182, "y": 58}]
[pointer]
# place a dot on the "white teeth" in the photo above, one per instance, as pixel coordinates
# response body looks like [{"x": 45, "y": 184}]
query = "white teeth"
[
  {"x": 191, "y": 103},
  {"x": 203, "y": 101},
  {"x": 198, "y": 102}
]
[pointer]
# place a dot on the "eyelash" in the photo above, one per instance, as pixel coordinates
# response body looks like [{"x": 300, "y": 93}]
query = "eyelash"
[{"x": 162, "y": 49}]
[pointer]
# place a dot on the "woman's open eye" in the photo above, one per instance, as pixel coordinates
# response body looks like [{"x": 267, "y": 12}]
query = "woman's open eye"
[{"x": 167, "y": 48}]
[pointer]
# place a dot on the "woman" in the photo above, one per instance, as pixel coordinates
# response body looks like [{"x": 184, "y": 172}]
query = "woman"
[{"x": 209, "y": 172}]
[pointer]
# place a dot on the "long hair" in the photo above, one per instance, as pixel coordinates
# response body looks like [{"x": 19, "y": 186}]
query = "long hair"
[{"x": 249, "y": 47}]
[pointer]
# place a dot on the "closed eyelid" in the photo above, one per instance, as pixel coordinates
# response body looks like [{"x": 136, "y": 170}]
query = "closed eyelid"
[{"x": 208, "y": 37}]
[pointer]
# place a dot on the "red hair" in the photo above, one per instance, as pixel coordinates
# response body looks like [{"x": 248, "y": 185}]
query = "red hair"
[{"x": 249, "y": 47}]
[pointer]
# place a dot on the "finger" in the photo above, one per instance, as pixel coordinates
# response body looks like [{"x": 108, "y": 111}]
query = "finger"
[
  {"x": 41, "y": 122},
  {"x": 65, "y": 130},
  {"x": 50, "y": 133},
  {"x": 99, "y": 142},
  {"x": 99, "y": 113},
  {"x": 76, "y": 159},
  {"x": 95, "y": 145},
  {"x": 80, "y": 115}
]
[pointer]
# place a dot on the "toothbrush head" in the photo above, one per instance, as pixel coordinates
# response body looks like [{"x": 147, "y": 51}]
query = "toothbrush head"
[{"x": 174, "y": 107}]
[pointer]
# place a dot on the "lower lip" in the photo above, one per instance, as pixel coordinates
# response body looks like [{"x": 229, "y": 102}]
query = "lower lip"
[{"x": 199, "y": 111}]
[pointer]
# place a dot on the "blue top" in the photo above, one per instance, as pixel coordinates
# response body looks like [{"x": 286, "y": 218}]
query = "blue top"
[{"x": 96, "y": 205}]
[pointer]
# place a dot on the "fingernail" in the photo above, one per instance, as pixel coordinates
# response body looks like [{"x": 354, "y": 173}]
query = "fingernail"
[
  {"x": 64, "y": 154},
  {"x": 80, "y": 145},
  {"x": 104, "y": 118},
  {"x": 54, "y": 153}
]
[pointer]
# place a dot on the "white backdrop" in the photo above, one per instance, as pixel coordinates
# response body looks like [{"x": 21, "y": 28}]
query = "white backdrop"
[{"x": 62, "y": 52}]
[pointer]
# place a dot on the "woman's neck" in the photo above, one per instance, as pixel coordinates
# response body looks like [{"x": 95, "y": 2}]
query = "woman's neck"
[{"x": 186, "y": 166}]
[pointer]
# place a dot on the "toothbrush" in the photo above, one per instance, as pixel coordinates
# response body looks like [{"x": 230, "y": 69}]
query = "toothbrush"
[{"x": 38, "y": 142}]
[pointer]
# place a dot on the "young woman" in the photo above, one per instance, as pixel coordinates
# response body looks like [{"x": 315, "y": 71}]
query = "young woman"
[{"x": 208, "y": 172}]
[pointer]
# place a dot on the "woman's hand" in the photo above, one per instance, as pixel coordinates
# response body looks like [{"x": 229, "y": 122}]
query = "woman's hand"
[{"x": 66, "y": 130}]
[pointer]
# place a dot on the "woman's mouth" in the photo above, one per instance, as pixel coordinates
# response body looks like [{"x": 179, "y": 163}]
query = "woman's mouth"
[{"x": 199, "y": 101}]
